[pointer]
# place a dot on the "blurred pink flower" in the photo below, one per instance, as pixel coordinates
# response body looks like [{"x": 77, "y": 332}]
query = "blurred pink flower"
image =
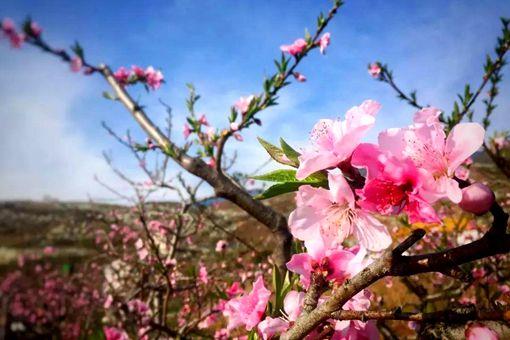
[
  {"x": 112, "y": 333},
  {"x": 221, "y": 245},
  {"x": 48, "y": 250},
  {"x": 238, "y": 137},
  {"x": 324, "y": 42},
  {"x": 478, "y": 273},
  {"x": 122, "y": 75},
  {"x": 35, "y": 29},
  {"x": 154, "y": 78},
  {"x": 242, "y": 104},
  {"x": 295, "y": 48},
  {"x": 76, "y": 64},
  {"x": 477, "y": 331},
  {"x": 138, "y": 71},
  {"x": 202, "y": 274},
  {"x": 248, "y": 309},
  {"x": 186, "y": 130},
  {"x": 203, "y": 120},
  {"x": 374, "y": 70}
]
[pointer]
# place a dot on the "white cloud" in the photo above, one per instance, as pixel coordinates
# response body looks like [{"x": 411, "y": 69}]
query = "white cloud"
[{"x": 43, "y": 151}]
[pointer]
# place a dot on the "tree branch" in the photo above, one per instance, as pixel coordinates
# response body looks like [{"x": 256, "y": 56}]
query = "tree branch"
[{"x": 392, "y": 263}]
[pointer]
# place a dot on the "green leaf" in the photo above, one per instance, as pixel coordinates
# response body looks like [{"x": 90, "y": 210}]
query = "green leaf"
[
  {"x": 78, "y": 50},
  {"x": 253, "y": 335},
  {"x": 275, "y": 152},
  {"x": 109, "y": 96},
  {"x": 289, "y": 176},
  {"x": 289, "y": 152},
  {"x": 278, "y": 189},
  {"x": 283, "y": 188}
]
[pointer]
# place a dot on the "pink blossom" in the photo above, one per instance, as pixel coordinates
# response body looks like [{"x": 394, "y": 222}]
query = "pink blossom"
[
  {"x": 504, "y": 289},
  {"x": 292, "y": 306},
  {"x": 297, "y": 47},
  {"x": 324, "y": 42},
  {"x": 76, "y": 64},
  {"x": 141, "y": 249},
  {"x": 477, "y": 331},
  {"x": 333, "y": 141},
  {"x": 112, "y": 333},
  {"x": 431, "y": 150},
  {"x": 211, "y": 132},
  {"x": 477, "y": 198},
  {"x": 221, "y": 334},
  {"x": 500, "y": 142},
  {"x": 122, "y": 75},
  {"x": 16, "y": 39},
  {"x": 248, "y": 309},
  {"x": 374, "y": 70},
  {"x": 203, "y": 120},
  {"x": 212, "y": 162},
  {"x": 221, "y": 245},
  {"x": 330, "y": 216},
  {"x": 108, "y": 302},
  {"x": 202, "y": 274},
  {"x": 428, "y": 116},
  {"x": 332, "y": 262},
  {"x": 35, "y": 29},
  {"x": 243, "y": 104},
  {"x": 270, "y": 327},
  {"x": 138, "y": 71},
  {"x": 234, "y": 126},
  {"x": 186, "y": 130},
  {"x": 235, "y": 289},
  {"x": 462, "y": 173},
  {"x": 48, "y": 250},
  {"x": 154, "y": 78},
  {"x": 299, "y": 77},
  {"x": 356, "y": 329},
  {"x": 8, "y": 26},
  {"x": 392, "y": 185},
  {"x": 478, "y": 273}
]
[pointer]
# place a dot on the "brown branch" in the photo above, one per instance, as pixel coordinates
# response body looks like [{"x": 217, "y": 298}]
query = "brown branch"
[
  {"x": 393, "y": 263},
  {"x": 280, "y": 83},
  {"x": 455, "y": 315},
  {"x": 318, "y": 285},
  {"x": 223, "y": 186}
]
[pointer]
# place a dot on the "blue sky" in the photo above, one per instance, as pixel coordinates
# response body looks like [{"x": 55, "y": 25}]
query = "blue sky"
[{"x": 51, "y": 140}]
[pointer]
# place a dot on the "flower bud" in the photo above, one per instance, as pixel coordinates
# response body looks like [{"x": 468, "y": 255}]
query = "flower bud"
[{"x": 477, "y": 199}]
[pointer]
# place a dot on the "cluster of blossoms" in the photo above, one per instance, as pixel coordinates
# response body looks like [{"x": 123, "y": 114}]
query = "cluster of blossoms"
[
  {"x": 31, "y": 28},
  {"x": 407, "y": 171},
  {"x": 151, "y": 77},
  {"x": 49, "y": 303}
]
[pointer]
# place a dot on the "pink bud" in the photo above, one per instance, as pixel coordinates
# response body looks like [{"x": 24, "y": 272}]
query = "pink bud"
[
  {"x": 76, "y": 64},
  {"x": 374, "y": 70},
  {"x": 299, "y": 77},
  {"x": 35, "y": 29},
  {"x": 477, "y": 199}
]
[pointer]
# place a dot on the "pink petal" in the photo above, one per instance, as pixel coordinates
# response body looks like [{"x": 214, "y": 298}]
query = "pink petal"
[
  {"x": 371, "y": 233},
  {"x": 272, "y": 326},
  {"x": 339, "y": 188},
  {"x": 312, "y": 161},
  {"x": 464, "y": 140}
]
